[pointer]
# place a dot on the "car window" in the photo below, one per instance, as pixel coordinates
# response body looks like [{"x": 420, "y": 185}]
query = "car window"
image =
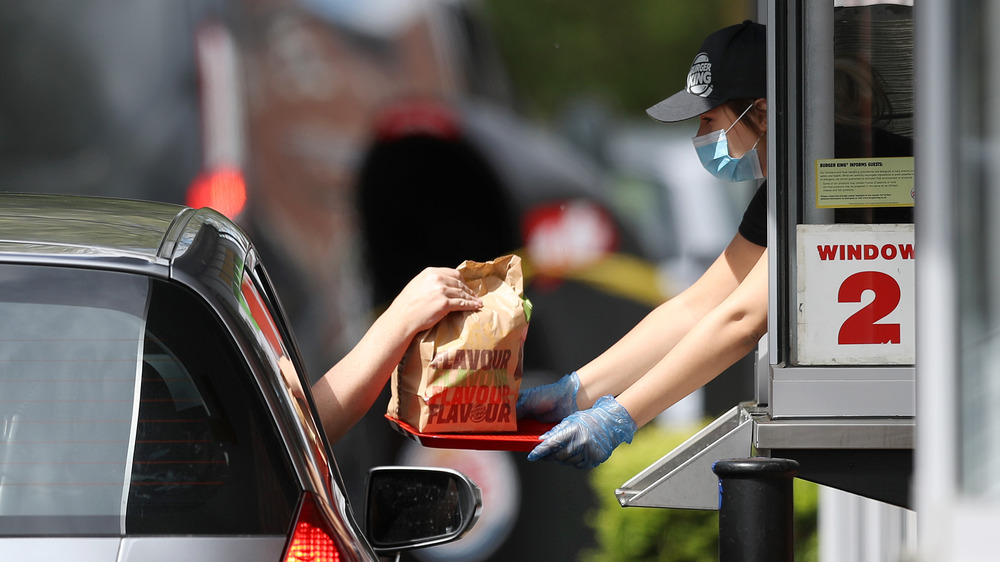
[{"x": 125, "y": 408}]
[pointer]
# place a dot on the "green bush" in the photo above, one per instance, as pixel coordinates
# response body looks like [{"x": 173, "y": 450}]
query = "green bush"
[{"x": 639, "y": 534}]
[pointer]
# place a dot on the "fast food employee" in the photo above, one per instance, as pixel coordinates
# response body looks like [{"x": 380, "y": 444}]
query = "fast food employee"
[{"x": 690, "y": 339}]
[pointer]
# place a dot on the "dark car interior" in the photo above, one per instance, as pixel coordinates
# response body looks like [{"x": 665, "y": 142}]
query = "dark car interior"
[{"x": 206, "y": 459}]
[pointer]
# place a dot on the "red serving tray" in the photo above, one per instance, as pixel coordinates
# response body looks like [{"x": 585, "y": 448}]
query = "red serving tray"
[{"x": 524, "y": 439}]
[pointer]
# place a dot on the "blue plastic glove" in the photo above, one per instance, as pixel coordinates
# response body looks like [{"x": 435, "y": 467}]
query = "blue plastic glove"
[
  {"x": 549, "y": 402},
  {"x": 586, "y": 438}
]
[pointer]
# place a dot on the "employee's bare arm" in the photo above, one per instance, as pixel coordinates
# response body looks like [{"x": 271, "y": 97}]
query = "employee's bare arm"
[
  {"x": 722, "y": 337},
  {"x": 658, "y": 334}
]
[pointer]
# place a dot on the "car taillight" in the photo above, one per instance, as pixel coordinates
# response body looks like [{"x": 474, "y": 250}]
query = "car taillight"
[
  {"x": 563, "y": 236},
  {"x": 222, "y": 189},
  {"x": 312, "y": 536}
]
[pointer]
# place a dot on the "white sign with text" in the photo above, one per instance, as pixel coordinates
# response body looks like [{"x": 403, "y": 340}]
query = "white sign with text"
[{"x": 855, "y": 294}]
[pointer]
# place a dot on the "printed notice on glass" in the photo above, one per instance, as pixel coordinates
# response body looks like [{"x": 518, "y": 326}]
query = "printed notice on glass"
[{"x": 864, "y": 182}]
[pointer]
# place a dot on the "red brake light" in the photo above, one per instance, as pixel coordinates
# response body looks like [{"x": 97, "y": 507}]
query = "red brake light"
[
  {"x": 312, "y": 539},
  {"x": 222, "y": 189}
]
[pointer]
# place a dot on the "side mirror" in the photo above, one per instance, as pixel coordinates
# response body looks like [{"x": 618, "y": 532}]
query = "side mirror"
[{"x": 412, "y": 507}]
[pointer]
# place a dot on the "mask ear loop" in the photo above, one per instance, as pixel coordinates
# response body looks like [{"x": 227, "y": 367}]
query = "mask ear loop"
[
  {"x": 740, "y": 117},
  {"x": 745, "y": 111}
]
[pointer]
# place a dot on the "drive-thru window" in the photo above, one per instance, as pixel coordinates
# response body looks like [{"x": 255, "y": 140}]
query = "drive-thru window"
[{"x": 835, "y": 375}]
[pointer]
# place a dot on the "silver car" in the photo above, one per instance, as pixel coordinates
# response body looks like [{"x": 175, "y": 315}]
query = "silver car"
[{"x": 153, "y": 405}]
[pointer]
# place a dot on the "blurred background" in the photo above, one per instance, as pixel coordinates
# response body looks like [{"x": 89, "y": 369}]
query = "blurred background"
[{"x": 360, "y": 141}]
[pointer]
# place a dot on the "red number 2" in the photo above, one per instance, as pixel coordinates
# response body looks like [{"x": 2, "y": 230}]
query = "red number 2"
[{"x": 861, "y": 327}]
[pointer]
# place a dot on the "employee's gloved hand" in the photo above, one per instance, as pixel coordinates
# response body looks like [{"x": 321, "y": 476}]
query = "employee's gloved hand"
[
  {"x": 549, "y": 402},
  {"x": 586, "y": 438}
]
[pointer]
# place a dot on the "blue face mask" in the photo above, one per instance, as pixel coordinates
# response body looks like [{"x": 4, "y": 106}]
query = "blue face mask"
[{"x": 713, "y": 151}]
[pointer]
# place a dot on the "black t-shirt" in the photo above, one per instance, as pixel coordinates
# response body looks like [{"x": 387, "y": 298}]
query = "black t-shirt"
[{"x": 754, "y": 224}]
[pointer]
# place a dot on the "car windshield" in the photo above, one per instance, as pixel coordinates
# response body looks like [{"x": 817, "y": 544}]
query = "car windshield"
[{"x": 125, "y": 408}]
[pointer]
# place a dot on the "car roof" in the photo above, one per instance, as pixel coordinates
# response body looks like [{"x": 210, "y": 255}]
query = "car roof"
[{"x": 73, "y": 226}]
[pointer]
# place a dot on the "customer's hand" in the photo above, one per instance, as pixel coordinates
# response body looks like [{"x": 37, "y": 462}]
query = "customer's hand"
[{"x": 429, "y": 296}]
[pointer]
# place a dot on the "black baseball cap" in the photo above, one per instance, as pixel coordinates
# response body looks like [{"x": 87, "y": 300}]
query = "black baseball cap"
[{"x": 732, "y": 64}]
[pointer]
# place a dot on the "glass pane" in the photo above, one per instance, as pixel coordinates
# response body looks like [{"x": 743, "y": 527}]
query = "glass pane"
[
  {"x": 978, "y": 198},
  {"x": 873, "y": 93},
  {"x": 69, "y": 342},
  {"x": 208, "y": 458},
  {"x": 127, "y": 407}
]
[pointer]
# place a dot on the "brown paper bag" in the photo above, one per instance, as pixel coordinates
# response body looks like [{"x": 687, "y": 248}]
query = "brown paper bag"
[{"x": 464, "y": 373}]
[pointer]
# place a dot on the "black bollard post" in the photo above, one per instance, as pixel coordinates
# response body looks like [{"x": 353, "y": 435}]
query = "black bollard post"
[{"x": 755, "y": 509}]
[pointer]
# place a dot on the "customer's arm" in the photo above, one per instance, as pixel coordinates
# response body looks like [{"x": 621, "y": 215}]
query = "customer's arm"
[{"x": 350, "y": 387}]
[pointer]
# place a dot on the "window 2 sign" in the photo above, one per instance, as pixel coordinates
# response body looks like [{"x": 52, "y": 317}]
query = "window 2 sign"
[{"x": 855, "y": 294}]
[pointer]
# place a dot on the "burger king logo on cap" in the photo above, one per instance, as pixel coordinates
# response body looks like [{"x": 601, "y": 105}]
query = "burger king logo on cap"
[{"x": 699, "y": 80}]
